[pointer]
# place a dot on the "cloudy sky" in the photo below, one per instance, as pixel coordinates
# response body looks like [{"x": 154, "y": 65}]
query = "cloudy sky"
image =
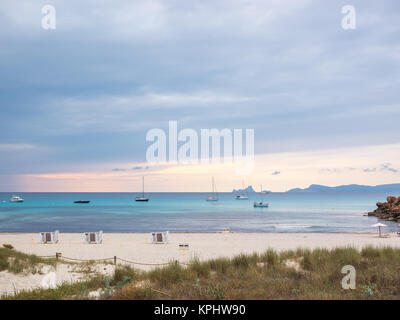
[{"x": 76, "y": 102}]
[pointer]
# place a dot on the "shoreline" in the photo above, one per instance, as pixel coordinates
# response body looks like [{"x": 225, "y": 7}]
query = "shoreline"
[{"x": 187, "y": 232}]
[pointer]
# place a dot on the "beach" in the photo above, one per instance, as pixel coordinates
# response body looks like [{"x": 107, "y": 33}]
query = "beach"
[{"x": 137, "y": 247}]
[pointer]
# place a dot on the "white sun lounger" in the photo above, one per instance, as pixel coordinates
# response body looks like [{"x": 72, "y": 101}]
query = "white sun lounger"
[
  {"x": 93, "y": 237},
  {"x": 49, "y": 237},
  {"x": 160, "y": 237}
]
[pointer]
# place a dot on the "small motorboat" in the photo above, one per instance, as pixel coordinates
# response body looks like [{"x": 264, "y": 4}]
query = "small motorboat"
[
  {"x": 82, "y": 201},
  {"x": 242, "y": 197},
  {"x": 261, "y": 204},
  {"x": 16, "y": 199}
]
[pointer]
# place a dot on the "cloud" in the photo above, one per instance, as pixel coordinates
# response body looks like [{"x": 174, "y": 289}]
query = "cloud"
[
  {"x": 383, "y": 167},
  {"x": 330, "y": 170},
  {"x": 114, "y": 70},
  {"x": 16, "y": 147},
  {"x": 337, "y": 170},
  {"x": 387, "y": 167},
  {"x": 137, "y": 168},
  {"x": 301, "y": 169},
  {"x": 140, "y": 168}
]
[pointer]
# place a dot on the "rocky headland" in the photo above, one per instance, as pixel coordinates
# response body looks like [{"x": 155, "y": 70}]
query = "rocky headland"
[{"x": 389, "y": 210}]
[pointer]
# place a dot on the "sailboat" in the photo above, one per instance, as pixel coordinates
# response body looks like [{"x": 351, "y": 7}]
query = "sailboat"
[
  {"x": 261, "y": 204},
  {"x": 142, "y": 197},
  {"x": 242, "y": 196},
  {"x": 214, "y": 196}
]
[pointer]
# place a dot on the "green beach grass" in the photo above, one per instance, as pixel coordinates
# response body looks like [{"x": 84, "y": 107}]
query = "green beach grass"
[
  {"x": 298, "y": 274},
  {"x": 18, "y": 262}
]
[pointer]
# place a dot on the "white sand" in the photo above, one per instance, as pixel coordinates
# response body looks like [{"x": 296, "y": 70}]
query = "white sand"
[
  {"x": 48, "y": 277},
  {"x": 137, "y": 247}
]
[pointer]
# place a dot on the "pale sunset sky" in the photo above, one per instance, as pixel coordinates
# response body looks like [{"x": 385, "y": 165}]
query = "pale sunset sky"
[{"x": 77, "y": 101}]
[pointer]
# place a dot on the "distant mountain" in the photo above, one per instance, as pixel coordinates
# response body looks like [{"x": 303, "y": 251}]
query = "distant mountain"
[
  {"x": 349, "y": 188},
  {"x": 249, "y": 189}
]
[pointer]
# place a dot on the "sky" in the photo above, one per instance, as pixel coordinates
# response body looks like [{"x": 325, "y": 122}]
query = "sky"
[{"x": 77, "y": 101}]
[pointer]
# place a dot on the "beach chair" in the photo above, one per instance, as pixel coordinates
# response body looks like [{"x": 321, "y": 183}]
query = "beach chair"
[
  {"x": 49, "y": 237},
  {"x": 93, "y": 237},
  {"x": 160, "y": 237}
]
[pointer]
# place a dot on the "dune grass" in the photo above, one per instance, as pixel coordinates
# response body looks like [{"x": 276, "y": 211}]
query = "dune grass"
[
  {"x": 267, "y": 276},
  {"x": 66, "y": 291},
  {"x": 18, "y": 262},
  {"x": 257, "y": 276}
]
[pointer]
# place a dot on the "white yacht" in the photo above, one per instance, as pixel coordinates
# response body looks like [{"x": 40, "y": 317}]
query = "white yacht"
[
  {"x": 244, "y": 195},
  {"x": 142, "y": 198},
  {"x": 16, "y": 199},
  {"x": 214, "y": 196}
]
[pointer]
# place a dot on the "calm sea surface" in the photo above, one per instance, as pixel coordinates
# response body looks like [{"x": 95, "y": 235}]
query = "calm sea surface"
[{"x": 189, "y": 212}]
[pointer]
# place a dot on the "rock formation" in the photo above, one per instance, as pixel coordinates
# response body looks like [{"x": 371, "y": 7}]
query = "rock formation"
[{"x": 389, "y": 211}]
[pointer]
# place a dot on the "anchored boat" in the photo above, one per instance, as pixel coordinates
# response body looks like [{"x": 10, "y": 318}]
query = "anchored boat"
[
  {"x": 142, "y": 198},
  {"x": 16, "y": 199},
  {"x": 214, "y": 196},
  {"x": 261, "y": 204},
  {"x": 244, "y": 195}
]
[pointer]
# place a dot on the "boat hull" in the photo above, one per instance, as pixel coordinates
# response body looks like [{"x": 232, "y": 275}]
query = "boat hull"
[
  {"x": 211, "y": 199},
  {"x": 260, "y": 205}
]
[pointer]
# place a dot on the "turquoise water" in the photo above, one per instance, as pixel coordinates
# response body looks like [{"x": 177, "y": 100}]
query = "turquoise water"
[{"x": 189, "y": 212}]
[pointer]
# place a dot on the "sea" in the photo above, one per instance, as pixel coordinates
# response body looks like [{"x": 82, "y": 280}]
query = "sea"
[{"x": 189, "y": 212}]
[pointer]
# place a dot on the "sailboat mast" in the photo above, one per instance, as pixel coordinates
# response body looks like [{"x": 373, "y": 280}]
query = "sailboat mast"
[{"x": 143, "y": 186}]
